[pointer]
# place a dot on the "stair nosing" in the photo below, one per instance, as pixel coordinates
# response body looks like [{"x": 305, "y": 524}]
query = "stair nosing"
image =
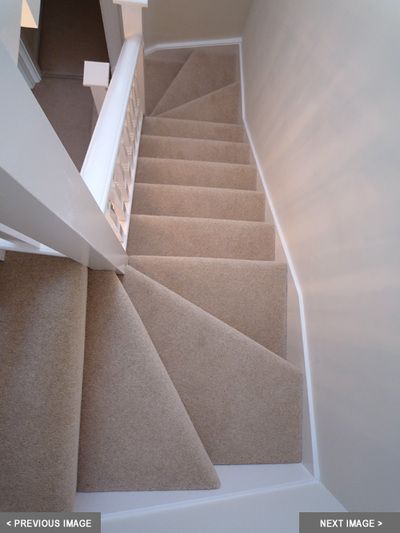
[
  {"x": 207, "y": 122},
  {"x": 246, "y": 165},
  {"x": 256, "y": 262},
  {"x": 189, "y": 139},
  {"x": 214, "y": 220},
  {"x": 202, "y": 189}
]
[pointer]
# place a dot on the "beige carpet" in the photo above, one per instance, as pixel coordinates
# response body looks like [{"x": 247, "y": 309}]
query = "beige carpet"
[
  {"x": 203, "y": 202},
  {"x": 160, "y": 69},
  {"x": 222, "y": 105},
  {"x": 244, "y": 401},
  {"x": 197, "y": 173},
  {"x": 42, "y": 325},
  {"x": 202, "y": 274},
  {"x": 201, "y": 237},
  {"x": 135, "y": 432},
  {"x": 248, "y": 295},
  {"x": 193, "y": 79},
  {"x": 183, "y": 364},
  {"x": 192, "y": 129},
  {"x": 194, "y": 149}
]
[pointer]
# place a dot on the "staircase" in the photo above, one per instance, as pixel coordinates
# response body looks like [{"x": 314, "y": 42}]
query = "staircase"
[{"x": 184, "y": 356}]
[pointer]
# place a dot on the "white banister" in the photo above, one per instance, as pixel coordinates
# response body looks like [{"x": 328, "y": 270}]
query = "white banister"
[{"x": 110, "y": 164}]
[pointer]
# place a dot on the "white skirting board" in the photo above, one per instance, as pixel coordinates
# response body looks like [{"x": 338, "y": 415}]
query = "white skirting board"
[{"x": 254, "y": 498}]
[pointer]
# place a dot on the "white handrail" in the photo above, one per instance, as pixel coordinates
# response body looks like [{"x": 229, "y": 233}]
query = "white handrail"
[{"x": 101, "y": 158}]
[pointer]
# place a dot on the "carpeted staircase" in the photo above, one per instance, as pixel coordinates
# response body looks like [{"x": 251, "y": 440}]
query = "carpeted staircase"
[{"x": 184, "y": 363}]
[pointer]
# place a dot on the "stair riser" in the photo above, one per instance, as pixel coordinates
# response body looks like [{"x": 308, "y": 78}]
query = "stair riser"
[
  {"x": 193, "y": 149},
  {"x": 174, "y": 236},
  {"x": 197, "y": 202},
  {"x": 192, "y": 129},
  {"x": 194, "y": 173}
]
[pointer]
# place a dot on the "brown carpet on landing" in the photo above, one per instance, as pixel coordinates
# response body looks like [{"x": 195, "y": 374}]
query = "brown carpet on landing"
[{"x": 71, "y": 31}]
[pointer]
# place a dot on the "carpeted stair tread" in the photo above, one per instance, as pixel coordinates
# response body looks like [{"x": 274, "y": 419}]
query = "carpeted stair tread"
[
  {"x": 159, "y": 74},
  {"x": 202, "y": 73},
  {"x": 42, "y": 324},
  {"x": 200, "y": 237},
  {"x": 250, "y": 296},
  {"x": 135, "y": 432},
  {"x": 244, "y": 401},
  {"x": 195, "y": 173},
  {"x": 222, "y": 105},
  {"x": 203, "y": 202},
  {"x": 194, "y": 149},
  {"x": 194, "y": 129}
]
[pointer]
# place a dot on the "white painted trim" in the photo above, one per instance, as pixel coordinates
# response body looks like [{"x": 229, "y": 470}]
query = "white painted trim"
[
  {"x": 6, "y": 246},
  {"x": 141, "y": 3},
  {"x": 236, "y": 480},
  {"x": 109, "y": 517},
  {"x": 27, "y": 67},
  {"x": 290, "y": 262},
  {"x": 112, "y": 23},
  {"x": 192, "y": 44}
]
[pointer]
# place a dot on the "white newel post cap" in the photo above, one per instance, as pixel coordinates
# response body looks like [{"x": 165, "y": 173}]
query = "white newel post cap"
[
  {"x": 96, "y": 74},
  {"x": 141, "y": 3}
]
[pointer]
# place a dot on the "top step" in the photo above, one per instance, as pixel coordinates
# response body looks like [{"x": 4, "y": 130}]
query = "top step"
[
  {"x": 194, "y": 129},
  {"x": 204, "y": 72}
]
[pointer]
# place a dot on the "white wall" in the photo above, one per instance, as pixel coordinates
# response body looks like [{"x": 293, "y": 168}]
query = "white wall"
[
  {"x": 182, "y": 20},
  {"x": 322, "y": 84},
  {"x": 112, "y": 22},
  {"x": 10, "y": 21}
]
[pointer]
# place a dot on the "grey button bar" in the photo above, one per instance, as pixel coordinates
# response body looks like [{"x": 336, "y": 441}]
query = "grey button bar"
[
  {"x": 332, "y": 522},
  {"x": 61, "y": 522}
]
